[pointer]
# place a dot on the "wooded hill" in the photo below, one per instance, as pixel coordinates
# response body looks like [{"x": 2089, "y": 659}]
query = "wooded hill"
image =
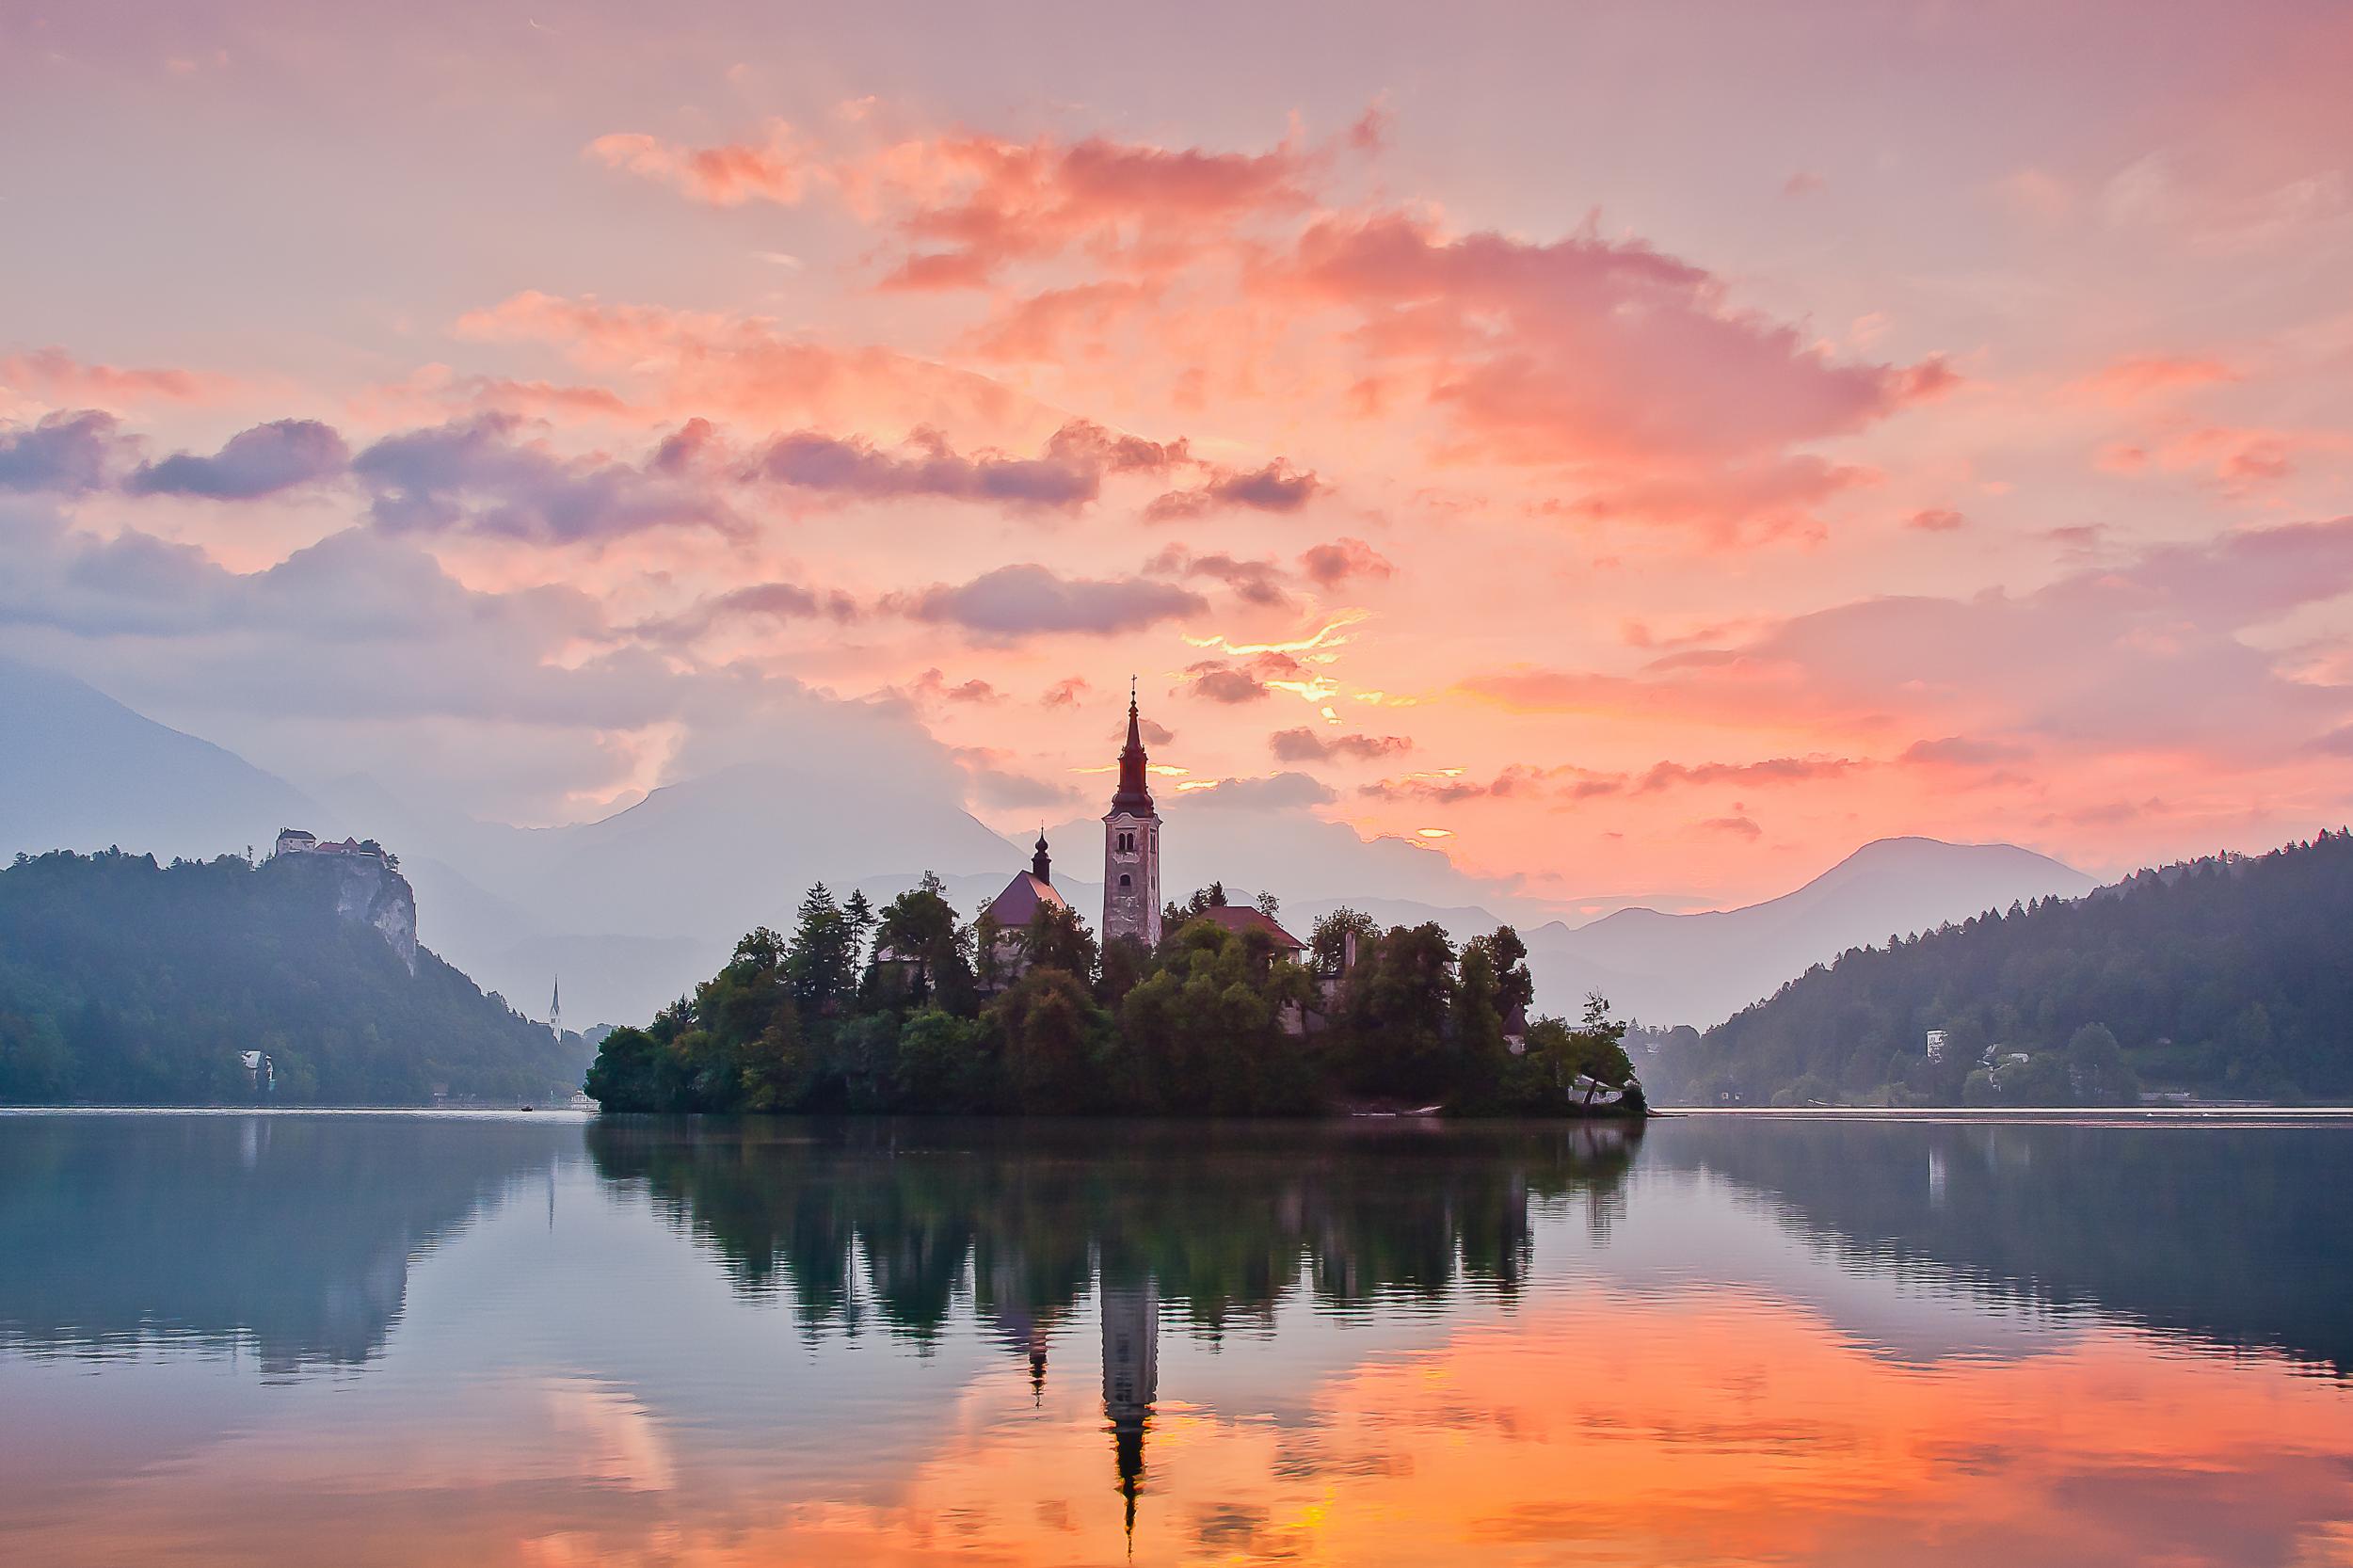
[
  {"x": 2228, "y": 977},
  {"x": 123, "y": 982}
]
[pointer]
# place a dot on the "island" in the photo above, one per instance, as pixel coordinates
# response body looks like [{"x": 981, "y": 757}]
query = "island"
[{"x": 1196, "y": 1008}]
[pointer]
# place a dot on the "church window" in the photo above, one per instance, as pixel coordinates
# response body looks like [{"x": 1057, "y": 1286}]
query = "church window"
[{"x": 1123, "y": 879}]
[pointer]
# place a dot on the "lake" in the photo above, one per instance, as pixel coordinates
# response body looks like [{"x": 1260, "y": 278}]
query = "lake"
[{"x": 401, "y": 1340}]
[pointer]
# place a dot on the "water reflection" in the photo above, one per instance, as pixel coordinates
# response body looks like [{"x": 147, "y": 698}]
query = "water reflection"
[
  {"x": 1716, "y": 1342},
  {"x": 2238, "y": 1233},
  {"x": 290, "y": 1236}
]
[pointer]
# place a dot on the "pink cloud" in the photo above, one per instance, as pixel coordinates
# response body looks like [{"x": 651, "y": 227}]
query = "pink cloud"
[
  {"x": 2137, "y": 378},
  {"x": 52, "y": 376},
  {"x": 1587, "y": 348},
  {"x": 778, "y": 170},
  {"x": 1328, "y": 566}
]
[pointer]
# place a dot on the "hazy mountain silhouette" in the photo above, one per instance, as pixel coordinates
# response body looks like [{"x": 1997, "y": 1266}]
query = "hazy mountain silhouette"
[
  {"x": 1701, "y": 968},
  {"x": 632, "y": 908},
  {"x": 80, "y": 771}
]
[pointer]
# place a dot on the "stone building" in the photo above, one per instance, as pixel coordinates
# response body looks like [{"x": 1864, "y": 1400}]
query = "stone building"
[{"x": 1131, "y": 847}]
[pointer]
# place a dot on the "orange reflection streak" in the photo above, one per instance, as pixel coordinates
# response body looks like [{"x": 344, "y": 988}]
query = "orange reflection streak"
[{"x": 1720, "y": 1430}]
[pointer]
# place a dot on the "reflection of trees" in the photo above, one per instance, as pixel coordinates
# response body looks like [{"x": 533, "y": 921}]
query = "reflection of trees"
[
  {"x": 2240, "y": 1234},
  {"x": 293, "y": 1232},
  {"x": 1226, "y": 1221}
]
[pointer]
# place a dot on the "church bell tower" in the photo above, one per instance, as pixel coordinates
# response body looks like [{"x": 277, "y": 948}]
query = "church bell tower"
[{"x": 1131, "y": 846}]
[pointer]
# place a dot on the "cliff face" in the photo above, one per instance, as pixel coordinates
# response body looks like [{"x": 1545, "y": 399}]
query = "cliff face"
[{"x": 368, "y": 893}]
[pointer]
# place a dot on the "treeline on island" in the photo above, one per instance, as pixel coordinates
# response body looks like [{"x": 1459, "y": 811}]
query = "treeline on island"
[
  {"x": 2229, "y": 977},
  {"x": 126, "y": 982},
  {"x": 909, "y": 1008}
]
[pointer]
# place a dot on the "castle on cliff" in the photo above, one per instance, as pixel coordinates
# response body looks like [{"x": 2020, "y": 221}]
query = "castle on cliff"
[{"x": 369, "y": 888}]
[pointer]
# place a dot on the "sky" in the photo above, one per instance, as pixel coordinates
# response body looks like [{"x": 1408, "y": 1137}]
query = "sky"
[{"x": 1619, "y": 448}]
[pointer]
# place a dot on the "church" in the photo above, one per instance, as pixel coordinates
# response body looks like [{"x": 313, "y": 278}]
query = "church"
[
  {"x": 1131, "y": 846},
  {"x": 1132, "y": 863},
  {"x": 1133, "y": 901}
]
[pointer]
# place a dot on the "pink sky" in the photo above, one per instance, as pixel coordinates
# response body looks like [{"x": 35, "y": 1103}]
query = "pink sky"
[{"x": 1631, "y": 448}]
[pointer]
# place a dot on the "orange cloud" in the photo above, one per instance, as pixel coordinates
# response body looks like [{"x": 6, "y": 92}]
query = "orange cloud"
[
  {"x": 2137, "y": 378},
  {"x": 52, "y": 376},
  {"x": 779, "y": 170}
]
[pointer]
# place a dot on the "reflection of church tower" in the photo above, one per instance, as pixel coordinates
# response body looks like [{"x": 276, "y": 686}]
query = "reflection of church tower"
[
  {"x": 1131, "y": 847},
  {"x": 1131, "y": 1375}
]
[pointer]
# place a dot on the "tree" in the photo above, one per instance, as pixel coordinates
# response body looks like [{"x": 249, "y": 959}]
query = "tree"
[
  {"x": 778, "y": 1072},
  {"x": 945, "y": 1063},
  {"x": 1174, "y": 916},
  {"x": 1475, "y": 1023},
  {"x": 1125, "y": 963},
  {"x": 1053, "y": 1034},
  {"x": 2097, "y": 1071},
  {"x": 633, "y": 1071},
  {"x": 1507, "y": 955},
  {"x": 920, "y": 930},
  {"x": 1391, "y": 1036},
  {"x": 1338, "y": 933},
  {"x": 1057, "y": 938},
  {"x": 1205, "y": 1031},
  {"x": 861, "y": 916},
  {"x": 820, "y": 963}
]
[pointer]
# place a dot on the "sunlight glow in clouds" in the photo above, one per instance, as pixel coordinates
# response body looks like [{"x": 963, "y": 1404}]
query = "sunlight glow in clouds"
[{"x": 1699, "y": 480}]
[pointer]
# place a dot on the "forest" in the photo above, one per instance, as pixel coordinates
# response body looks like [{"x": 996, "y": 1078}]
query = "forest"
[
  {"x": 908, "y": 1008},
  {"x": 2229, "y": 976},
  {"x": 125, "y": 981}
]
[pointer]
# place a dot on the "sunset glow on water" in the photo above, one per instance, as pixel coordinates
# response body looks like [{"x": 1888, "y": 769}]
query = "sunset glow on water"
[{"x": 527, "y": 1341}]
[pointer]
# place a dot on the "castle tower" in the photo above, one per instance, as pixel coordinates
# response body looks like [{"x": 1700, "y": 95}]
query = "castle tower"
[{"x": 1131, "y": 846}]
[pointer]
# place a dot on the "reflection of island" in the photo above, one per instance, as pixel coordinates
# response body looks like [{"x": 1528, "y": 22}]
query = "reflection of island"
[
  {"x": 290, "y": 1233},
  {"x": 1219, "y": 1223},
  {"x": 2127, "y": 1219}
]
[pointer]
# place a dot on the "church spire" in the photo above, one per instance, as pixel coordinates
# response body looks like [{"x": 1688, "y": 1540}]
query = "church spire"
[
  {"x": 1135, "y": 787},
  {"x": 1042, "y": 864}
]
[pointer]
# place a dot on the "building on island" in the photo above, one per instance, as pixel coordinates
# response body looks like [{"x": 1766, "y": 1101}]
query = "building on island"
[
  {"x": 1131, "y": 846},
  {"x": 1132, "y": 906},
  {"x": 1009, "y": 914},
  {"x": 1247, "y": 922}
]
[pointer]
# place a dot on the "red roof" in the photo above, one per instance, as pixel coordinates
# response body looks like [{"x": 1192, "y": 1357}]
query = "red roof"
[
  {"x": 1013, "y": 907},
  {"x": 1243, "y": 919}
]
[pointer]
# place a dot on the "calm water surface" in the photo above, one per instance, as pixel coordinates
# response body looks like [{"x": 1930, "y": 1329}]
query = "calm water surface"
[{"x": 406, "y": 1339}]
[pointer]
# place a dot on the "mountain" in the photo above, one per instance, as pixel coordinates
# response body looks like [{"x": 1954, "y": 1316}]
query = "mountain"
[
  {"x": 631, "y": 909},
  {"x": 80, "y": 771},
  {"x": 1699, "y": 969},
  {"x": 2228, "y": 977},
  {"x": 126, "y": 982}
]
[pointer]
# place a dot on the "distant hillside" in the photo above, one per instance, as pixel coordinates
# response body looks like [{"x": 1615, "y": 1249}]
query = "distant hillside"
[
  {"x": 1699, "y": 969},
  {"x": 122, "y": 980},
  {"x": 2231, "y": 976},
  {"x": 80, "y": 771},
  {"x": 631, "y": 909}
]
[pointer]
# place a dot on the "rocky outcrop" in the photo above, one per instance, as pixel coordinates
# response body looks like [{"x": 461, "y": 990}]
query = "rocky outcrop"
[
  {"x": 371, "y": 892},
  {"x": 367, "y": 890}
]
